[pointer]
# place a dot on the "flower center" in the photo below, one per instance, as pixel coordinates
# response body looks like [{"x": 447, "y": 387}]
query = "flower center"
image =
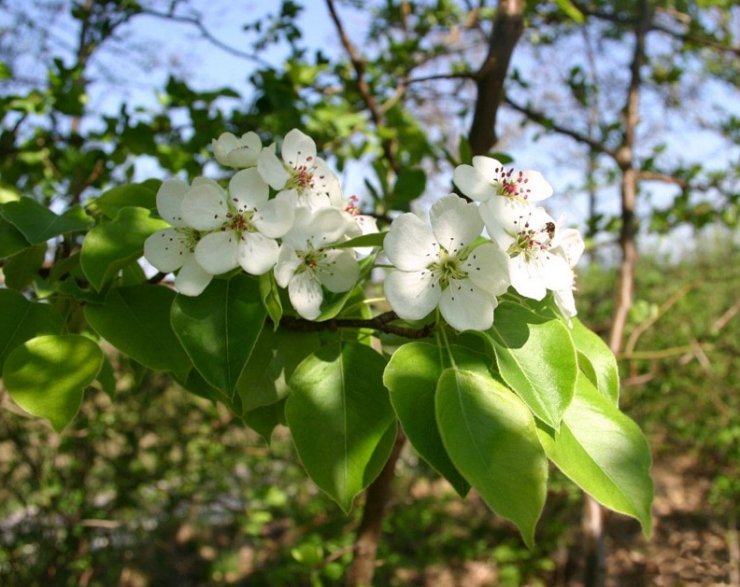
[
  {"x": 302, "y": 178},
  {"x": 530, "y": 241},
  {"x": 448, "y": 267},
  {"x": 240, "y": 222},
  {"x": 514, "y": 186},
  {"x": 311, "y": 260}
]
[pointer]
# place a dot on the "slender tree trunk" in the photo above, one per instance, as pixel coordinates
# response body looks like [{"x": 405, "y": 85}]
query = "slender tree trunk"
[
  {"x": 595, "y": 555},
  {"x": 507, "y": 29},
  {"x": 377, "y": 497}
]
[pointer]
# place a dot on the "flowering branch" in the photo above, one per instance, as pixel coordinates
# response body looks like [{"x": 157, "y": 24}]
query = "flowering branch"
[{"x": 381, "y": 322}]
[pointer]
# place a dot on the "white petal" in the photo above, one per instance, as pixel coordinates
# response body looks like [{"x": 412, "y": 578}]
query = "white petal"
[
  {"x": 167, "y": 249},
  {"x": 525, "y": 278},
  {"x": 245, "y": 151},
  {"x": 504, "y": 216},
  {"x": 306, "y": 295},
  {"x": 257, "y": 254},
  {"x": 471, "y": 182},
  {"x": 286, "y": 265},
  {"x": 569, "y": 243},
  {"x": 412, "y": 294},
  {"x": 275, "y": 217},
  {"x": 298, "y": 149},
  {"x": 533, "y": 186},
  {"x": 554, "y": 271},
  {"x": 338, "y": 271},
  {"x": 247, "y": 189},
  {"x": 566, "y": 303},
  {"x": 192, "y": 278},
  {"x": 272, "y": 169},
  {"x": 465, "y": 307},
  {"x": 204, "y": 206},
  {"x": 326, "y": 226},
  {"x": 488, "y": 268},
  {"x": 455, "y": 222},
  {"x": 410, "y": 244},
  {"x": 222, "y": 146},
  {"x": 325, "y": 190},
  {"x": 217, "y": 252},
  {"x": 169, "y": 201},
  {"x": 491, "y": 169}
]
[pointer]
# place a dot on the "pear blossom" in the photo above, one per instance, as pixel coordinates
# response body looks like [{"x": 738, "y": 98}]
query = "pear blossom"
[
  {"x": 307, "y": 260},
  {"x": 536, "y": 263},
  {"x": 242, "y": 224},
  {"x": 359, "y": 224},
  {"x": 301, "y": 174},
  {"x": 238, "y": 153},
  {"x": 440, "y": 265},
  {"x": 570, "y": 246},
  {"x": 499, "y": 189},
  {"x": 173, "y": 248}
]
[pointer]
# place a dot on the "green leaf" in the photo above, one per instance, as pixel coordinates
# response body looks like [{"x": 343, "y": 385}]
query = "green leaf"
[
  {"x": 47, "y": 375},
  {"x": 603, "y": 452},
  {"x": 270, "y": 295},
  {"x": 110, "y": 246},
  {"x": 136, "y": 321},
  {"x": 220, "y": 327},
  {"x": 339, "y": 414},
  {"x": 276, "y": 354},
  {"x": 536, "y": 359},
  {"x": 374, "y": 239},
  {"x": 21, "y": 320},
  {"x": 38, "y": 224},
  {"x": 411, "y": 376},
  {"x": 11, "y": 239},
  {"x": 265, "y": 419},
  {"x": 596, "y": 360},
  {"x": 491, "y": 438},
  {"x": 571, "y": 10},
  {"x": 140, "y": 195},
  {"x": 22, "y": 268}
]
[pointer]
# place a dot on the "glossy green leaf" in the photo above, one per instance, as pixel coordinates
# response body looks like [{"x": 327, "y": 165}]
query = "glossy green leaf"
[
  {"x": 603, "y": 452},
  {"x": 38, "y": 224},
  {"x": 410, "y": 184},
  {"x": 339, "y": 414},
  {"x": 596, "y": 360},
  {"x": 536, "y": 359},
  {"x": 22, "y": 268},
  {"x": 271, "y": 298},
  {"x": 276, "y": 354},
  {"x": 136, "y": 321},
  {"x": 265, "y": 419},
  {"x": 411, "y": 376},
  {"x": 47, "y": 375},
  {"x": 139, "y": 195},
  {"x": 374, "y": 239},
  {"x": 491, "y": 438},
  {"x": 220, "y": 327},
  {"x": 21, "y": 320},
  {"x": 110, "y": 246},
  {"x": 11, "y": 239}
]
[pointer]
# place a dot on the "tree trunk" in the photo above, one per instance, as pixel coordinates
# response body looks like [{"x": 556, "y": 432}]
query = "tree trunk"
[{"x": 377, "y": 497}]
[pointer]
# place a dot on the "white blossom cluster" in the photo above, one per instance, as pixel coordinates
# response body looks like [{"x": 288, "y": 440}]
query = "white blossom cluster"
[
  {"x": 277, "y": 214},
  {"x": 287, "y": 215},
  {"x": 447, "y": 265}
]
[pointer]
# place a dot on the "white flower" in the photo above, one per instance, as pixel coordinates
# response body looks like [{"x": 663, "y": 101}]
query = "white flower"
[
  {"x": 173, "y": 248},
  {"x": 529, "y": 236},
  {"x": 242, "y": 224},
  {"x": 499, "y": 189},
  {"x": 301, "y": 173},
  {"x": 437, "y": 266},
  {"x": 236, "y": 152},
  {"x": 359, "y": 224},
  {"x": 307, "y": 262},
  {"x": 570, "y": 246}
]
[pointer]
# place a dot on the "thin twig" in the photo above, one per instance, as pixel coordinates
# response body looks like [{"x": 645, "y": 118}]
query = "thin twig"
[{"x": 381, "y": 323}]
